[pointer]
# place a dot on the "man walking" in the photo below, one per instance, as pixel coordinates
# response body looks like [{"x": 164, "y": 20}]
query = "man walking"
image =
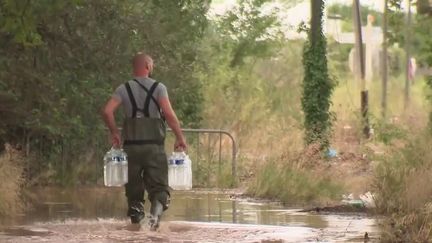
[{"x": 146, "y": 105}]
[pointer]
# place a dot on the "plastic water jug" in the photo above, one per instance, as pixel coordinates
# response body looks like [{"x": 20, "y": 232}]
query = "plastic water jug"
[
  {"x": 180, "y": 171},
  {"x": 115, "y": 168}
]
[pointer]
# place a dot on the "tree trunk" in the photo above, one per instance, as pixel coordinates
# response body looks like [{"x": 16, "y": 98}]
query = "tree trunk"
[
  {"x": 384, "y": 63},
  {"x": 316, "y": 20},
  {"x": 407, "y": 56},
  {"x": 360, "y": 55},
  {"x": 424, "y": 7},
  {"x": 317, "y": 85}
]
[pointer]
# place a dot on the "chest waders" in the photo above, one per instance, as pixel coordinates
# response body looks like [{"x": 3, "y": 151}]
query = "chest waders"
[{"x": 144, "y": 139}]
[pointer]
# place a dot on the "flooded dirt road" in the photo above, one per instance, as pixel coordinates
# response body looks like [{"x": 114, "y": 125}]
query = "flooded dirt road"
[{"x": 98, "y": 215}]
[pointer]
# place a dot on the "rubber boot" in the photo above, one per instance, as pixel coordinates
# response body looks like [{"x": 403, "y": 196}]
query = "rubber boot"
[
  {"x": 136, "y": 213},
  {"x": 156, "y": 210}
]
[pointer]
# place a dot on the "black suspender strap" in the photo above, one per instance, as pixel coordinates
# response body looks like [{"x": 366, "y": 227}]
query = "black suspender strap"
[
  {"x": 147, "y": 101},
  {"x": 132, "y": 100},
  {"x": 150, "y": 96}
]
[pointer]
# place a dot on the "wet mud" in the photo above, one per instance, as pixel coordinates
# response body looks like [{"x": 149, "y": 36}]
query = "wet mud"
[{"x": 98, "y": 215}]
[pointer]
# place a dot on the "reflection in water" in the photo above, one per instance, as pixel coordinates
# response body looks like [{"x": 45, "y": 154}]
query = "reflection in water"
[
  {"x": 63, "y": 205},
  {"x": 91, "y": 203}
]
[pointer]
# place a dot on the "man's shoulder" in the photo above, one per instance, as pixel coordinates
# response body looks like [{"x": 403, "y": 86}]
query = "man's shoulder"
[
  {"x": 161, "y": 90},
  {"x": 147, "y": 83},
  {"x": 121, "y": 86},
  {"x": 154, "y": 81},
  {"x": 160, "y": 84}
]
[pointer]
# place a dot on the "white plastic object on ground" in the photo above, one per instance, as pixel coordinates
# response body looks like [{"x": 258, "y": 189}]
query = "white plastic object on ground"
[{"x": 366, "y": 200}]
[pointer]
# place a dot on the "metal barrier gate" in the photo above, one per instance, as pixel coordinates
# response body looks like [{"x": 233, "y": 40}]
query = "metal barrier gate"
[
  {"x": 233, "y": 143},
  {"x": 68, "y": 161}
]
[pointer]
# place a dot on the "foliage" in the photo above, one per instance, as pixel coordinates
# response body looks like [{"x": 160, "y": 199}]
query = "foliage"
[
  {"x": 345, "y": 13},
  {"x": 317, "y": 86},
  {"x": 420, "y": 30},
  {"x": 338, "y": 56},
  {"x": 249, "y": 30},
  {"x": 61, "y": 59},
  {"x": 396, "y": 23},
  {"x": 388, "y": 132},
  {"x": 11, "y": 172},
  {"x": 283, "y": 181},
  {"x": 403, "y": 183},
  {"x": 422, "y": 43},
  {"x": 231, "y": 67}
]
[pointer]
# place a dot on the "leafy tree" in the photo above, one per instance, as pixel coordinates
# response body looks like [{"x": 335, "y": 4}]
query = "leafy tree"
[
  {"x": 61, "y": 60},
  {"x": 235, "y": 57},
  {"x": 421, "y": 43},
  {"x": 248, "y": 31},
  {"x": 345, "y": 13}
]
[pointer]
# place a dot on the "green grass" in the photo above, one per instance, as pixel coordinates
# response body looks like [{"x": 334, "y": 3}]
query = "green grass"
[{"x": 291, "y": 185}]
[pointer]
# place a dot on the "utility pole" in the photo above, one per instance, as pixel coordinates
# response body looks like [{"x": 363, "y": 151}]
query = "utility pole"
[
  {"x": 360, "y": 57},
  {"x": 408, "y": 54},
  {"x": 384, "y": 62}
]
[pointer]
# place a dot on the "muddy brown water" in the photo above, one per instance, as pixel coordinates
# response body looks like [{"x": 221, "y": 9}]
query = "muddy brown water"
[{"x": 98, "y": 215}]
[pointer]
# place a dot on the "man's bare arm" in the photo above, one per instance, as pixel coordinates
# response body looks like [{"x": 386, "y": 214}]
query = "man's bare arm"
[
  {"x": 173, "y": 122},
  {"x": 108, "y": 117}
]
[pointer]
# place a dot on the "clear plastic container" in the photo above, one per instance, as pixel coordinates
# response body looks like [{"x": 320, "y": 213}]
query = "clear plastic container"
[
  {"x": 115, "y": 168},
  {"x": 180, "y": 171}
]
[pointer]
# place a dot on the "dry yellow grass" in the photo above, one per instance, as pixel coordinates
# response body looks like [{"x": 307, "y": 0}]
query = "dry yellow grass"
[
  {"x": 353, "y": 170},
  {"x": 11, "y": 171},
  {"x": 403, "y": 184}
]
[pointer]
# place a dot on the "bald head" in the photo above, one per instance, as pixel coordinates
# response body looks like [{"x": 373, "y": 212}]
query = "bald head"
[{"x": 142, "y": 64}]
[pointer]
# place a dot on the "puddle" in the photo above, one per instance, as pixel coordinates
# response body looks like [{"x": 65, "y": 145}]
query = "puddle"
[
  {"x": 98, "y": 215},
  {"x": 29, "y": 231}
]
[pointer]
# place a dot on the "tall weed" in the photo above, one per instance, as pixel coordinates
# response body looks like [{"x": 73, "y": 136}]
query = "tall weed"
[
  {"x": 404, "y": 186},
  {"x": 11, "y": 172},
  {"x": 292, "y": 181}
]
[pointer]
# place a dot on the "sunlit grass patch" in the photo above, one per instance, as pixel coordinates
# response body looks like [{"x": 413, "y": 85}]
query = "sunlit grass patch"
[{"x": 284, "y": 181}]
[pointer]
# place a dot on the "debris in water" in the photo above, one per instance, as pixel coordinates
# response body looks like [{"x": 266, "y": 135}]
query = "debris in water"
[{"x": 365, "y": 200}]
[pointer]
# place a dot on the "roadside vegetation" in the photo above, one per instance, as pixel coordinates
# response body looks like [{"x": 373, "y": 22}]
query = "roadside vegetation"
[
  {"x": 293, "y": 181},
  {"x": 404, "y": 185},
  {"x": 11, "y": 174},
  {"x": 236, "y": 72}
]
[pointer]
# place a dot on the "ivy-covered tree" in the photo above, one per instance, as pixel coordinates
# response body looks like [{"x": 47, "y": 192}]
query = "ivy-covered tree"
[{"x": 317, "y": 85}]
